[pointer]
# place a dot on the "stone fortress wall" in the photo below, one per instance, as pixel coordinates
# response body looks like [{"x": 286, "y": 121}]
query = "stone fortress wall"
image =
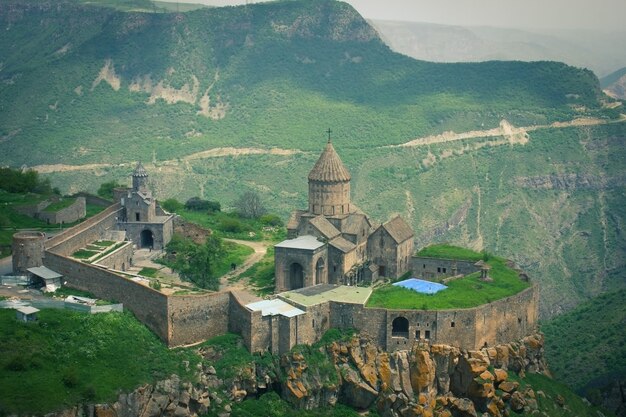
[
  {"x": 76, "y": 211},
  {"x": 490, "y": 324},
  {"x": 187, "y": 319},
  {"x": 28, "y": 250}
]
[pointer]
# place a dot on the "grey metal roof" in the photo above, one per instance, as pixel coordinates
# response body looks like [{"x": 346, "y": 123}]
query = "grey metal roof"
[
  {"x": 43, "y": 272},
  {"x": 307, "y": 242},
  {"x": 274, "y": 307},
  {"x": 27, "y": 310}
]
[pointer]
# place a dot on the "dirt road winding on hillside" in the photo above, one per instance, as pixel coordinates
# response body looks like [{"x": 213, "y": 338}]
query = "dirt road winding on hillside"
[{"x": 260, "y": 249}]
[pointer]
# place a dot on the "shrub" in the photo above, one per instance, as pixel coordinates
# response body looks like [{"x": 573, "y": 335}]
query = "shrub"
[
  {"x": 198, "y": 204},
  {"x": 271, "y": 220},
  {"x": 172, "y": 205},
  {"x": 231, "y": 225},
  {"x": 106, "y": 189}
]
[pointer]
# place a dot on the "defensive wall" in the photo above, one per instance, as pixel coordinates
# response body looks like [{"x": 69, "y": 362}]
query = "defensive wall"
[
  {"x": 187, "y": 319},
  {"x": 79, "y": 236},
  {"x": 197, "y": 317},
  {"x": 490, "y": 324},
  {"x": 176, "y": 319},
  {"x": 148, "y": 305},
  {"x": 119, "y": 259},
  {"x": 76, "y": 211}
]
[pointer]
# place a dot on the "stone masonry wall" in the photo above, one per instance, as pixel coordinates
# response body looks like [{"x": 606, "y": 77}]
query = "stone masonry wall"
[
  {"x": 241, "y": 321},
  {"x": 150, "y": 306},
  {"x": 312, "y": 325},
  {"x": 429, "y": 268},
  {"x": 498, "y": 322},
  {"x": 70, "y": 214},
  {"x": 195, "y": 318},
  {"x": 83, "y": 233},
  {"x": 120, "y": 259},
  {"x": 372, "y": 322}
]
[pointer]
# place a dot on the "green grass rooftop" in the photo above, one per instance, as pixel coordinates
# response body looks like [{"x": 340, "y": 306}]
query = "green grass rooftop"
[{"x": 469, "y": 291}]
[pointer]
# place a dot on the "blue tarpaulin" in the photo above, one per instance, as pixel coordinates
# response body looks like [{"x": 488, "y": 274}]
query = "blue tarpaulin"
[{"x": 421, "y": 286}]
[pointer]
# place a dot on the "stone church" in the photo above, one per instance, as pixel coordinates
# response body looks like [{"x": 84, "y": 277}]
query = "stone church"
[
  {"x": 143, "y": 220},
  {"x": 333, "y": 242}
]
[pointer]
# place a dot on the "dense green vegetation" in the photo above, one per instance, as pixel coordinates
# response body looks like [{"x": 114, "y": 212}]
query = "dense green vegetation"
[
  {"x": 204, "y": 264},
  {"x": 467, "y": 292},
  {"x": 271, "y": 404},
  {"x": 446, "y": 251},
  {"x": 18, "y": 181},
  {"x": 67, "y": 357},
  {"x": 277, "y": 85},
  {"x": 548, "y": 402},
  {"x": 22, "y": 188},
  {"x": 60, "y": 204},
  {"x": 586, "y": 347},
  {"x": 284, "y": 72},
  {"x": 232, "y": 225}
]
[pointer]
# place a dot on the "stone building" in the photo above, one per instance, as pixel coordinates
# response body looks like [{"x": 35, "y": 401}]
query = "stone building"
[
  {"x": 143, "y": 220},
  {"x": 333, "y": 242},
  {"x": 391, "y": 247}
]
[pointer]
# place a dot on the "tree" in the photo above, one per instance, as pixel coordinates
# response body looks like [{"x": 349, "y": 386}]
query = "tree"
[
  {"x": 171, "y": 205},
  {"x": 196, "y": 263},
  {"x": 198, "y": 204},
  {"x": 106, "y": 189},
  {"x": 249, "y": 205}
]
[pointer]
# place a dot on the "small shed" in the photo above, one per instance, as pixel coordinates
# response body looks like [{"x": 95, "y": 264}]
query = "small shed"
[
  {"x": 42, "y": 276},
  {"x": 26, "y": 313}
]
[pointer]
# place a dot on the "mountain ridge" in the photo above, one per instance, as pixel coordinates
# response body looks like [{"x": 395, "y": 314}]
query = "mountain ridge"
[{"x": 93, "y": 88}]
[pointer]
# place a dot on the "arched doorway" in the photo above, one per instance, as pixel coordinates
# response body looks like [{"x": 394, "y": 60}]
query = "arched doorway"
[
  {"x": 400, "y": 327},
  {"x": 319, "y": 271},
  {"x": 296, "y": 276},
  {"x": 147, "y": 239}
]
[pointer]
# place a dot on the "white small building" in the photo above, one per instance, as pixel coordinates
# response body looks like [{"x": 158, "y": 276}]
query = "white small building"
[{"x": 26, "y": 313}]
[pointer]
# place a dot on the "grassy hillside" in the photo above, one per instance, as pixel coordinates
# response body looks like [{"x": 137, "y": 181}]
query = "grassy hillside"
[
  {"x": 586, "y": 348},
  {"x": 68, "y": 357},
  {"x": 87, "y": 85},
  {"x": 272, "y": 74}
]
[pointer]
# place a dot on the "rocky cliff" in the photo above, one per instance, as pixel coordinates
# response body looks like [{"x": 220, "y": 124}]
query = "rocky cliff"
[{"x": 437, "y": 380}]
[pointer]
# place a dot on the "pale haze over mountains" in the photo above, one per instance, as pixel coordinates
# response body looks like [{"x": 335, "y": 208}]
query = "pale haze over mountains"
[{"x": 580, "y": 33}]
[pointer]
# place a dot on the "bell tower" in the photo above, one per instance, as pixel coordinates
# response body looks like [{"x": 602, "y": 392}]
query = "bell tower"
[{"x": 329, "y": 184}]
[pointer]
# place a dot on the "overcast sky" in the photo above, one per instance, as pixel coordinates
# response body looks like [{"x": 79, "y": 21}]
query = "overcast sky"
[{"x": 607, "y": 15}]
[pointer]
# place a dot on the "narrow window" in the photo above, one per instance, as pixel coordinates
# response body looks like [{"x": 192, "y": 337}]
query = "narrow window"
[
  {"x": 438, "y": 269},
  {"x": 424, "y": 266},
  {"x": 427, "y": 334},
  {"x": 451, "y": 324},
  {"x": 417, "y": 335},
  {"x": 137, "y": 217},
  {"x": 444, "y": 270}
]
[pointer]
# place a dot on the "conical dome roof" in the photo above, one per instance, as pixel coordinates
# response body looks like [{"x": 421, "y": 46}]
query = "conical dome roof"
[
  {"x": 329, "y": 167},
  {"x": 140, "y": 171}
]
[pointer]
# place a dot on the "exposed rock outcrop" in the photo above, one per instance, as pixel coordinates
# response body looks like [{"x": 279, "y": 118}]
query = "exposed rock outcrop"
[{"x": 430, "y": 381}]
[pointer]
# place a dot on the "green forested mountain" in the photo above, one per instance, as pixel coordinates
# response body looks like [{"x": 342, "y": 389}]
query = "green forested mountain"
[
  {"x": 586, "y": 348},
  {"x": 218, "y": 101}
]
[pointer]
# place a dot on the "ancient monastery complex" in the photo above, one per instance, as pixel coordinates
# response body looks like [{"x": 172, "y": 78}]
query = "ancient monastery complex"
[{"x": 323, "y": 271}]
